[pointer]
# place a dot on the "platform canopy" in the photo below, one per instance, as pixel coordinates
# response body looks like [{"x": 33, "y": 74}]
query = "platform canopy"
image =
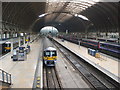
[{"x": 72, "y": 15}]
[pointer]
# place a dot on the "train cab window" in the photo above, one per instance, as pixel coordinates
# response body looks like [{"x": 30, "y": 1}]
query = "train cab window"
[
  {"x": 8, "y": 45},
  {"x": 46, "y": 53},
  {"x": 54, "y": 53},
  {"x": 102, "y": 45}
]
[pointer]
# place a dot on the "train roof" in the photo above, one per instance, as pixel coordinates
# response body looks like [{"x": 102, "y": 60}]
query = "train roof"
[
  {"x": 118, "y": 45},
  {"x": 50, "y": 48},
  {"x": 103, "y": 42},
  {"x": 109, "y": 38},
  {"x": 91, "y": 40}
]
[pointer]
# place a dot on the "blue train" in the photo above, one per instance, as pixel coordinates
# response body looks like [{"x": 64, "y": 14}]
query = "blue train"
[{"x": 107, "y": 48}]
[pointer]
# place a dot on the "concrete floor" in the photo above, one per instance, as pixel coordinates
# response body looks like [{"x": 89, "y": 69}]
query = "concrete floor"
[
  {"x": 109, "y": 64},
  {"x": 22, "y": 71},
  {"x": 69, "y": 77}
]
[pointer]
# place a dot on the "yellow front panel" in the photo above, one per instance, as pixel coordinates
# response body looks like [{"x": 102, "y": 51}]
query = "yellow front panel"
[
  {"x": 50, "y": 58},
  {"x": 7, "y": 48},
  {"x": 26, "y": 39}
]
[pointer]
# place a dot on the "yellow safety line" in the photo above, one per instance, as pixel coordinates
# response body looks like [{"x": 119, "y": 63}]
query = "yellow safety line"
[
  {"x": 38, "y": 86},
  {"x": 38, "y": 82}
]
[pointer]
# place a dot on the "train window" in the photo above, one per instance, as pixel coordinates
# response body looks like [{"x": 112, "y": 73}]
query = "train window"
[
  {"x": 103, "y": 45},
  {"x": 54, "y": 53},
  {"x": 110, "y": 47},
  {"x": 7, "y": 45},
  {"x": 115, "y": 48},
  {"x": 47, "y": 53}
]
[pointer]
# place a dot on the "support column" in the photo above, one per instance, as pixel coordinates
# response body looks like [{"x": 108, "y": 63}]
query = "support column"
[
  {"x": 7, "y": 35},
  {"x": 97, "y": 35},
  {"x": 0, "y": 44},
  {"x": 66, "y": 32},
  {"x": 86, "y": 34},
  {"x": 106, "y": 34},
  {"x": 11, "y": 34},
  {"x": 29, "y": 38},
  {"x": 19, "y": 42},
  {"x": 80, "y": 35},
  {"x": 11, "y": 47},
  {"x": 16, "y": 35},
  {"x": 4, "y": 36},
  {"x": 79, "y": 43},
  {"x": 0, "y": 35},
  {"x": 24, "y": 40},
  {"x": 1, "y": 23},
  {"x": 119, "y": 38}
]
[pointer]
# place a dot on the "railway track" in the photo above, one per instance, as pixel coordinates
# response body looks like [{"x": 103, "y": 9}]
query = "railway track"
[
  {"x": 94, "y": 78},
  {"x": 50, "y": 76},
  {"x": 51, "y": 80}
]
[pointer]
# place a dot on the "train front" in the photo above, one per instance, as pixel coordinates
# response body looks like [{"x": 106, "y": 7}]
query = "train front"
[{"x": 50, "y": 56}]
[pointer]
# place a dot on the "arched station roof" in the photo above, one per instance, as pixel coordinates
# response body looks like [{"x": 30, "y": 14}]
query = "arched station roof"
[{"x": 102, "y": 16}]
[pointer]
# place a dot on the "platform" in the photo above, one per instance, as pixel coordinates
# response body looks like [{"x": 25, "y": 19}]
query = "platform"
[
  {"x": 107, "y": 64},
  {"x": 22, "y": 71},
  {"x": 69, "y": 77}
]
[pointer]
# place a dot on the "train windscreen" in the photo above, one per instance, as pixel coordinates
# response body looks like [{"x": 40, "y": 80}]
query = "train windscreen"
[
  {"x": 54, "y": 53},
  {"x": 50, "y": 53},
  {"x": 47, "y": 53}
]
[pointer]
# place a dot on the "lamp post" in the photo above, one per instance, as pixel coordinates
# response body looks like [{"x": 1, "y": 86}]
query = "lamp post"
[
  {"x": 52, "y": 31},
  {"x": 119, "y": 38},
  {"x": 66, "y": 31}
]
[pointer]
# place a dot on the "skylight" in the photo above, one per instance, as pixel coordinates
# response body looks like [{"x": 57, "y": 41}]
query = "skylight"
[
  {"x": 42, "y": 15},
  {"x": 81, "y": 16}
]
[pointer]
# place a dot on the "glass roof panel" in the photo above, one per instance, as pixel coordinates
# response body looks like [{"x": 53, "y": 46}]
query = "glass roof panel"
[{"x": 66, "y": 6}]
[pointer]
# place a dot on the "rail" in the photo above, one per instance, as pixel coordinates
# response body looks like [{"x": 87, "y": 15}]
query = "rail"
[
  {"x": 51, "y": 78},
  {"x": 5, "y": 77}
]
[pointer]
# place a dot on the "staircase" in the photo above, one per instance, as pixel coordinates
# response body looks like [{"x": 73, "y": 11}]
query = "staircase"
[{"x": 5, "y": 80}]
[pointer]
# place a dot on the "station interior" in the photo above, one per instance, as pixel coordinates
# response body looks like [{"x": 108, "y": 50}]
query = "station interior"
[{"x": 59, "y": 44}]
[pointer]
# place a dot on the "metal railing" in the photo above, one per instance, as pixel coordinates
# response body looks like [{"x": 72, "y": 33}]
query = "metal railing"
[{"x": 5, "y": 77}]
